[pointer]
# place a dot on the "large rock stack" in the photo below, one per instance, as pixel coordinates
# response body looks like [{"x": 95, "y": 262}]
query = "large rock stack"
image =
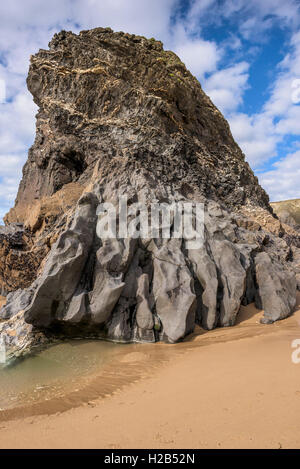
[{"x": 119, "y": 116}]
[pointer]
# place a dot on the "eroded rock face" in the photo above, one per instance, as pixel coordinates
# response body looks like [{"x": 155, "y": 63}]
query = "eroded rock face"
[
  {"x": 276, "y": 288},
  {"x": 63, "y": 269},
  {"x": 18, "y": 338},
  {"x": 119, "y": 116},
  {"x": 19, "y": 258},
  {"x": 125, "y": 102},
  {"x": 155, "y": 289},
  {"x": 15, "y": 302}
]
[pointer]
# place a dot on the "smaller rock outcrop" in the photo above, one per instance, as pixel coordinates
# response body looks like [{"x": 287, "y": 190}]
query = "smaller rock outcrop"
[
  {"x": 288, "y": 212},
  {"x": 276, "y": 288},
  {"x": 63, "y": 269},
  {"x": 18, "y": 338}
]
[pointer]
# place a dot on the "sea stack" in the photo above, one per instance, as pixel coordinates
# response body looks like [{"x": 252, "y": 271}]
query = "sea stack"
[{"x": 121, "y": 117}]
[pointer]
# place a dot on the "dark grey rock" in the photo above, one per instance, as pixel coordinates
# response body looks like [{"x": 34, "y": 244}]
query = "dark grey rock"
[
  {"x": 64, "y": 266},
  {"x": 15, "y": 302},
  {"x": 205, "y": 272},
  {"x": 76, "y": 311},
  {"x": 232, "y": 277},
  {"x": 173, "y": 290},
  {"x": 277, "y": 288}
]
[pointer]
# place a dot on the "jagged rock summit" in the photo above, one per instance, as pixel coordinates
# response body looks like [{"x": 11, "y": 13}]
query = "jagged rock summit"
[{"x": 120, "y": 116}]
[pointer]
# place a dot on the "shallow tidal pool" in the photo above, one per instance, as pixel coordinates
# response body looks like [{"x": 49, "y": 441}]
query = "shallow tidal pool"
[{"x": 53, "y": 371}]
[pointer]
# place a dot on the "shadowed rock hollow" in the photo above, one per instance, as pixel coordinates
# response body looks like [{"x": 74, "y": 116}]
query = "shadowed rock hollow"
[{"x": 119, "y": 116}]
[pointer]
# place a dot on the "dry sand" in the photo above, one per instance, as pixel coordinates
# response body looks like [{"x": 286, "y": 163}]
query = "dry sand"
[{"x": 228, "y": 388}]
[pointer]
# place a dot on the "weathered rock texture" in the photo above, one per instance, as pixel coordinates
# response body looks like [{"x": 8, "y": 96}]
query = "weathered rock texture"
[
  {"x": 117, "y": 116},
  {"x": 19, "y": 258}
]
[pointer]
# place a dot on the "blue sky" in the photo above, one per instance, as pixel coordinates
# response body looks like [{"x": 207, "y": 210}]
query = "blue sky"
[{"x": 245, "y": 53}]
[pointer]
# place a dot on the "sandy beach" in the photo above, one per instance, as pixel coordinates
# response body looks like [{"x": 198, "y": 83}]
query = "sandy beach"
[{"x": 229, "y": 388}]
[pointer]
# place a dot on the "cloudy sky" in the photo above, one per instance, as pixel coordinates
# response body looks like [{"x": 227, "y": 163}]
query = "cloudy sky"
[{"x": 245, "y": 53}]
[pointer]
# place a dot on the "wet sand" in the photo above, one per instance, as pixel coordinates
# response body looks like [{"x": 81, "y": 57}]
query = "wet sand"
[{"x": 229, "y": 388}]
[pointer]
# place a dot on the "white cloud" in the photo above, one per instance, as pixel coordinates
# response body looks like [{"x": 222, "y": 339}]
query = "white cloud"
[
  {"x": 225, "y": 87},
  {"x": 256, "y": 137},
  {"x": 8, "y": 192},
  {"x": 16, "y": 135},
  {"x": 253, "y": 18},
  {"x": 281, "y": 100},
  {"x": 17, "y": 124},
  {"x": 281, "y": 104},
  {"x": 199, "y": 56},
  {"x": 255, "y": 28},
  {"x": 257, "y": 17},
  {"x": 259, "y": 134},
  {"x": 282, "y": 182},
  {"x": 148, "y": 18},
  {"x": 290, "y": 123}
]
